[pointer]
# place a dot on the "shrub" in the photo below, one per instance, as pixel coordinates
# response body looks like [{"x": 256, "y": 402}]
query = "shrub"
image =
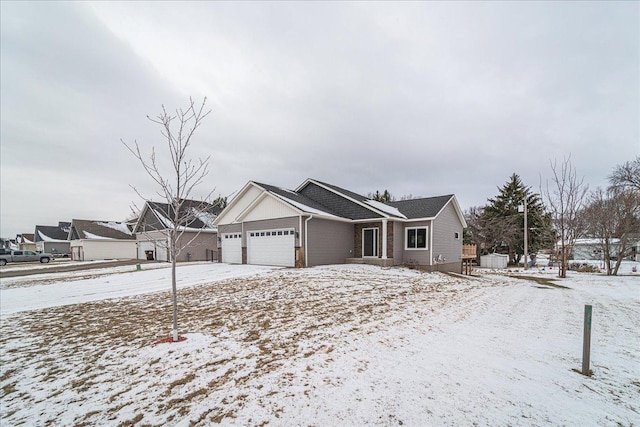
[{"x": 583, "y": 267}]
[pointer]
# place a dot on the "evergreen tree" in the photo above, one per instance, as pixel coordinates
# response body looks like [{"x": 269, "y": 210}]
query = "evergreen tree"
[
  {"x": 503, "y": 222},
  {"x": 220, "y": 201},
  {"x": 384, "y": 197}
]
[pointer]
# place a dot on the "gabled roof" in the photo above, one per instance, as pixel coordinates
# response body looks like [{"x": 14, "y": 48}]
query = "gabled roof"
[
  {"x": 319, "y": 198},
  {"x": 347, "y": 203},
  {"x": 428, "y": 207},
  {"x": 297, "y": 200},
  {"x": 194, "y": 214},
  {"x": 25, "y": 238},
  {"x": 52, "y": 233},
  {"x": 99, "y": 230}
]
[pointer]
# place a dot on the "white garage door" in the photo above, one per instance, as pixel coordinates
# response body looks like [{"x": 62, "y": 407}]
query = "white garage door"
[
  {"x": 232, "y": 248},
  {"x": 271, "y": 247}
]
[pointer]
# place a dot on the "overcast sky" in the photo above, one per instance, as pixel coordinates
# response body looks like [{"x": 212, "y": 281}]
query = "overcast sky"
[{"x": 417, "y": 98}]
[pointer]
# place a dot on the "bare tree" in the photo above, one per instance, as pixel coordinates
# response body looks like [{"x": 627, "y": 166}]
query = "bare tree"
[
  {"x": 565, "y": 197},
  {"x": 600, "y": 224},
  {"x": 176, "y": 185},
  {"x": 626, "y": 175}
]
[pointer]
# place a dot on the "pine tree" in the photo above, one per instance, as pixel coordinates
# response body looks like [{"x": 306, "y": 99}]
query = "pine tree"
[
  {"x": 504, "y": 223},
  {"x": 384, "y": 197}
]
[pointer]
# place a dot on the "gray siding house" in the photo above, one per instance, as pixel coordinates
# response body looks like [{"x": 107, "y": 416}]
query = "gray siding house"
[
  {"x": 198, "y": 235},
  {"x": 53, "y": 238},
  {"x": 320, "y": 223}
]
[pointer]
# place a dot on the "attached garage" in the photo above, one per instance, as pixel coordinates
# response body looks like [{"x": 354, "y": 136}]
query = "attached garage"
[
  {"x": 146, "y": 250},
  {"x": 231, "y": 245},
  {"x": 271, "y": 247}
]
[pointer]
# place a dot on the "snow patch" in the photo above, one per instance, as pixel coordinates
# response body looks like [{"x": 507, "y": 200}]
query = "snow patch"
[
  {"x": 118, "y": 226},
  {"x": 385, "y": 208}
]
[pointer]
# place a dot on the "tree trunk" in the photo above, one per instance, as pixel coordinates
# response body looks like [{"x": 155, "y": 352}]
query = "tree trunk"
[{"x": 621, "y": 252}]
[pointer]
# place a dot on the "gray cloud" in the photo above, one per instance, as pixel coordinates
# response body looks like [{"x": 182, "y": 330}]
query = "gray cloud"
[{"x": 420, "y": 98}]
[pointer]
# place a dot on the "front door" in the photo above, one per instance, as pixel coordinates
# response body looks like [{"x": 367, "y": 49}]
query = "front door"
[{"x": 370, "y": 242}]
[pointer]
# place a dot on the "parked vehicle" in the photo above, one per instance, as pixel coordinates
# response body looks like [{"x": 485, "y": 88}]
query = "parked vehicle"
[{"x": 25, "y": 256}]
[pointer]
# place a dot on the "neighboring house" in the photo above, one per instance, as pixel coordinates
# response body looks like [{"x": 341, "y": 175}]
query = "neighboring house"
[
  {"x": 320, "y": 223},
  {"x": 9, "y": 244},
  {"x": 591, "y": 249},
  {"x": 53, "y": 239},
  {"x": 26, "y": 242},
  {"x": 98, "y": 240},
  {"x": 199, "y": 236}
]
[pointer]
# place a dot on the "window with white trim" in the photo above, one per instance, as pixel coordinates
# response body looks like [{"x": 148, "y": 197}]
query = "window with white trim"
[{"x": 416, "y": 238}]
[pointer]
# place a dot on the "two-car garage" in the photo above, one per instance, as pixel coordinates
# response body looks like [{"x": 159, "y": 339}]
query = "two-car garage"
[{"x": 264, "y": 247}]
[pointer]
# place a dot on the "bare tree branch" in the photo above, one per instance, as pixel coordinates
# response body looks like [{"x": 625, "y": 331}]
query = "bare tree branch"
[
  {"x": 565, "y": 198},
  {"x": 176, "y": 186}
]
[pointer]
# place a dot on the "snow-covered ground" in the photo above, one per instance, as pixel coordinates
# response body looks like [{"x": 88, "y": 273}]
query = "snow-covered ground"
[
  {"x": 335, "y": 345},
  {"x": 55, "y": 289}
]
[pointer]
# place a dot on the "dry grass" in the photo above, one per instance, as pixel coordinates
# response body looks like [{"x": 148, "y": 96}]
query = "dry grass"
[{"x": 92, "y": 352}]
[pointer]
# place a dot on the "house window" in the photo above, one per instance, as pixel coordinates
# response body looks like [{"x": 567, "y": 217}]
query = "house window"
[
  {"x": 416, "y": 238},
  {"x": 456, "y": 235}
]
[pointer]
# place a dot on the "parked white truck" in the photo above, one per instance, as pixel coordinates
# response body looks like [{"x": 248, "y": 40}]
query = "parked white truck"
[{"x": 24, "y": 256}]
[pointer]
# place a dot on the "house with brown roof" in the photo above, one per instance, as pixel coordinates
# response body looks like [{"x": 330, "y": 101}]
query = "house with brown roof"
[
  {"x": 320, "y": 223},
  {"x": 26, "y": 242},
  {"x": 99, "y": 240}
]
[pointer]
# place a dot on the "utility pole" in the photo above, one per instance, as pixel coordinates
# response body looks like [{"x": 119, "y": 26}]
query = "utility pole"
[
  {"x": 526, "y": 233},
  {"x": 526, "y": 236}
]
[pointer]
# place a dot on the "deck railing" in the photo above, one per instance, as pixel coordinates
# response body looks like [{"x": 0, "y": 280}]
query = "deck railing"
[{"x": 469, "y": 251}]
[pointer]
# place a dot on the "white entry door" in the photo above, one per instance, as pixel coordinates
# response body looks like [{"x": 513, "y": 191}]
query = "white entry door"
[
  {"x": 271, "y": 247},
  {"x": 232, "y": 248}
]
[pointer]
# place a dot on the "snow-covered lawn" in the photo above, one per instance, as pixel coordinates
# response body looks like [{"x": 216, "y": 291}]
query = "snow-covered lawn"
[{"x": 335, "y": 345}]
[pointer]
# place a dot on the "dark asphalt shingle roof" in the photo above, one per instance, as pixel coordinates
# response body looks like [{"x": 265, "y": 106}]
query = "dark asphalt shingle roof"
[
  {"x": 296, "y": 197},
  {"x": 192, "y": 219},
  {"x": 427, "y": 207},
  {"x": 89, "y": 229},
  {"x": 56, "y": 232}
]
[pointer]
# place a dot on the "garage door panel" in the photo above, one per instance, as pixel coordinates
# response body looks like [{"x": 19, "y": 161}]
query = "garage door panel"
[
  {"x": 232, "y": 248},
  {"x": 271, "y": 247}
]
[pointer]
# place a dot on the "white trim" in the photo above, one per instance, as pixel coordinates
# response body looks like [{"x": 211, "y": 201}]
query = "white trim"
[
  {"x": 306, "y": 239},
  {"x": 384, "y": 238},
  {"x": 428, "y": 238},
  {"x": 235, "y": 201}
]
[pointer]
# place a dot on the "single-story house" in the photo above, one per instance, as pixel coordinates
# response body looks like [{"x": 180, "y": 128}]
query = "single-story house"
[
  {"x": 52, "y": 238},
  {"x": 198, "y": 235},
  {"x": 592, "y": 248},
  {"x": 26, "y": 242},
  {"x": 320, "y": 223},
  {"x": 98, "y": 240}
]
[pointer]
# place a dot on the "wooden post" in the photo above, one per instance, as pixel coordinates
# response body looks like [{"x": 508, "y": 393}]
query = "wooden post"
[{"x": 586, "y": 341}]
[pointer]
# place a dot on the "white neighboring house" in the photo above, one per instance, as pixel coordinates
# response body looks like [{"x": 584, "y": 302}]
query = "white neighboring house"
[
  {"x": 199, "y": 235},
  {"x": 591, "y": 249},
  {"x": 98, "y": 240}
]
